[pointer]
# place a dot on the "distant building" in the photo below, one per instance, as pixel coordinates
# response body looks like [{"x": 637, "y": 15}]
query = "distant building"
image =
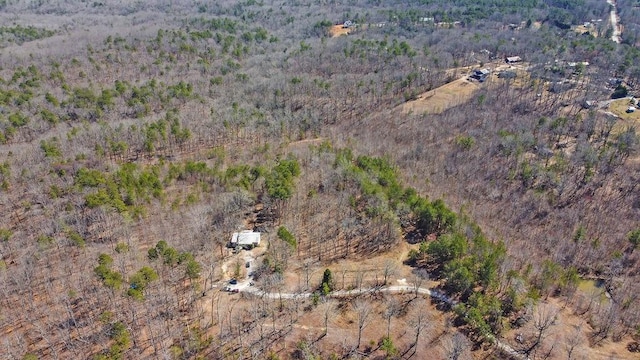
[
  {"x": 614, "y": 82},
  {"x": 480, "y": 74},
  {"x": 245, "y": 239},
  {"x": 589, "y": 104},
  {"x": 448, "y": 25},
  {"x": 513, "y": 59}
]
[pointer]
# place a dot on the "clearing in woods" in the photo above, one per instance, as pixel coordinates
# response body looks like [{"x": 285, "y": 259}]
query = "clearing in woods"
[
  {"x": 459, "y": 91},
  {"x": 581, "y": 29},
  {"x": 339, "y": 30},
  {"x": 440, "y": 99},
  {"x": 625, "y": 119}
]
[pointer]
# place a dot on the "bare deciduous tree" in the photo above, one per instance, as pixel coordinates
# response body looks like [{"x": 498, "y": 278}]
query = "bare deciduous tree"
[
  {"x": 457, "y": 347},
  {"x": 419, "y": 277},
  {"x": 419, "y": 321},
  {"x": 544, "y": 318},
  {"x": 572, "y": 341},
  {"x": 308, "y": 271},
  {"x": 359, "y": 279},
  {"x": 328, "y": 308},
  {"x": 390, "y": 268},
  {"x": 363, "y": 311},
  {"x": 392, "y": 309}
]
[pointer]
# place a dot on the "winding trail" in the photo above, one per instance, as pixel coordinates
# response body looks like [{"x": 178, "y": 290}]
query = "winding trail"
[
  {"x": 436, "y": 294},
  {"x": 347, "y": 293}
]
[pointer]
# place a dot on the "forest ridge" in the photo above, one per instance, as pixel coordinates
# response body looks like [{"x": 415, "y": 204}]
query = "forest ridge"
[{"x": 453, "y": 178}]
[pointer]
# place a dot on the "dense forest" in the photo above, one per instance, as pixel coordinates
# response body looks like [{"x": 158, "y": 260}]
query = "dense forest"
[{"x": 137, "y": 137}]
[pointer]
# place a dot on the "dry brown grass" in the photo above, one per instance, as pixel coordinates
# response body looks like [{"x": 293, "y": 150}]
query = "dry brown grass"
[
  {"x": 626, "y": 120},
  {"x": 459, "y": 71},
  {"x": 523, "y": 78},
  {"x": 564, "y": 330},
  {"x": 461, "y": 90},
  {"x": 308, "y": 326},
  {"x": 581, "y": 29},
  {"x": 308, "y": 319},
  {"x": 338, "y": 30},
  {"x": 440, "y": 99}
]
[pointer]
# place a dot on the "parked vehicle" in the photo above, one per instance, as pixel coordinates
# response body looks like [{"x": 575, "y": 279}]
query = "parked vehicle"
[{"x": 233, "y": 281}]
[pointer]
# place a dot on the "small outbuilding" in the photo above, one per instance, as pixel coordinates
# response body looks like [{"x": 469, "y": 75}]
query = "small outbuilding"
[
  {"x": 589, "y": 104},
  {"x": 246, "y": 239},
  {"x": 513, "y": 59}
]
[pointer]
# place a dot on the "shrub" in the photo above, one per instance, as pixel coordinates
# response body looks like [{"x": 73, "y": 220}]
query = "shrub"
[
  {"x": 620, "y": 92},
  {"x": 286, "y": 236}
]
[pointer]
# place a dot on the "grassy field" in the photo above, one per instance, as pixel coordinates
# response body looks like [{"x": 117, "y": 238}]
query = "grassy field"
[
  {"x": 440, "y": 99},
  {"x": 619, "y": 108},
  {"x": 460, "y": 91}
]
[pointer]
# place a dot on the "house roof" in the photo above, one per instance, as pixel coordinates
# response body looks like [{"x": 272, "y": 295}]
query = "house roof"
[{"x": 245, "y": 237}]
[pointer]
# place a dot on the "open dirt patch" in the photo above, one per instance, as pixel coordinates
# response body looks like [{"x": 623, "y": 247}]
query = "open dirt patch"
[
  {"x": 581, "y": 29},
  {"x": 462, "y": 70},
  {"x": 339, "y": 30},
  {"x": 302, "y": 145},
  {"x": 440, "y": 99}
]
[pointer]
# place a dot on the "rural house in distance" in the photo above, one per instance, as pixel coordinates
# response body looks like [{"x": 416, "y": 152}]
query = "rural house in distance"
[
  {"x": 481, "y": 74},
  {"x": 513, "y": 59},
  {"x": 246, "y": 239}
]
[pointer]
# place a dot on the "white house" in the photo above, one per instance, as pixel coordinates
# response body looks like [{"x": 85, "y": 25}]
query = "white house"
[{"x": 245, "y": 239}]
